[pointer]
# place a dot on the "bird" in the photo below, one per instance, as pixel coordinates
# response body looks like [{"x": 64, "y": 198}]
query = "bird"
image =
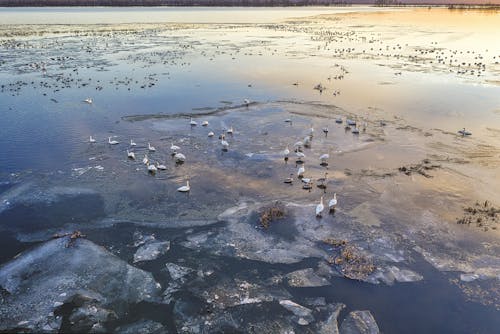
[
  {"x": 319, "y": 208},
  {"x": 205, "y": 123},
  {"x": 112, "y": 142},
  {"x": 185, "y": 188},
  {"x": 145, "y": 160},
  {"x": 364, "y": 126},
  {"x": 179, "y": 158},
  {"x": 246, "y": 101},
  {"x": 322, "y": 181},
  {"x": 324, "y": 159},
  {"x": 91, "y": 139},
  {"x": 307, "y": 186},
  {"x": 350, "y": 122},
  {"x": 286, "y": 153},
  {"x": 174, "y": 148},
  {"x": 160, "y": 166},
  {"x": 355, "y": 130},
  {"x": 338, "y": 120},
  {"x": 211, "y": 134},
  {"x": 325, "y": 130},
  {"x": 464, "y": 133},
  {"x": 88, "y": 100},
  {"x": 311, "y": 131},
  {"x": 306, "y": 180},
  {"x": 307, "y": 141},
  {"x": 298, "y": 145},
  {"x": 224, "y": 143},
  {"x": 301, "y": 171},
  {"x": 333, "y": 203},
  {"x": 131, "y": 155},
  {"x": 132, "y": 143},
  {"x": 151, "y": 148},
  {"x": 289, "y": 179},
  {"x": 299, "y": 155},
  {"x": 151, "y": 168},
  {"x": 193, "y": 122},
  {"x": 230, "y": 130}
]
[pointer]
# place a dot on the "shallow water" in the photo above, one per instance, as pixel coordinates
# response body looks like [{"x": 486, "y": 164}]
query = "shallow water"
[{"x": 147, "y": 78}]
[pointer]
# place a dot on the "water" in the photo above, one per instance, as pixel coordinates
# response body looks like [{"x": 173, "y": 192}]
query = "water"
[{"x": 149, "y": 70}]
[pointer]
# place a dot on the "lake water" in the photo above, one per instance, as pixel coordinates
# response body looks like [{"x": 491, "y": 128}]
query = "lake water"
[{"x": 410, "y": 78}]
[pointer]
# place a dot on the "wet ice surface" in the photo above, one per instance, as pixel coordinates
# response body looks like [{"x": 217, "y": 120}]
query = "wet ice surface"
[{"x": 391, "y": 256}]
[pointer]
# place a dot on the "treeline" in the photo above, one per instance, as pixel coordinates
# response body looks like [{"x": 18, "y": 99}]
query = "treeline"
[{"x": 233, "y": 3}]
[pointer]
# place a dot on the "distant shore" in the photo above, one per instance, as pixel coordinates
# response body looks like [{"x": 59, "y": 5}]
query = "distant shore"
[{"x": 237, "y": 3}]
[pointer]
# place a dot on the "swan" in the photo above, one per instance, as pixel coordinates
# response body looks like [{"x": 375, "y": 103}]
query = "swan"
[
  {"x": 160, "y": 166},
  {"x": 322, "y": 181},
  {"x": 298, "y": 145},
  {"x": 307, "y": 186},
  {"x": 301, "y": 171},
  {"x": 464, "y": 133},
  {"x": 230, "y": 130},
  {"x": 132, "y": 143},
  {"x": 288, "y": 120},
  {"x": 333, "y": 203},
  {"x": 151, "y": 168},
  {"x": 205, "y": 123},
  {"x": 300, "y": 155},
  {"x": 306, "y": 180},
  {"x": 319, "y": 208},
  {"x": 286, "y": 153},
  {"x": 88, "y": 100},
  {"x": 179, "y": 157},
  {"x": 151, "y": 148},
  {"x": 174, "y": 148},
  {"x": 185, "y": 188},
  {"x": 325, "y": 130},
  {"x": 355, "y": 130},
  {"x": 311, "y": 131},
  {"x": 307, "y": 141},
  {"x": 211, "y": 134},
  {"x": 324, "y": 159},
  {"x": 350, "y": 122},
  {"x": 193, "y": 122},
  {"x": 91, "y": 140},
  {"x": 145, "y": 160},
  {"x": 246, "y": 101},
  {"x": 112, "y": 142},
  {"x": 131, "y": 155},
  {"x": 224, "y": 143},
  {"x": 338, "y": 120},
  {"x": 289, "y": 179}
]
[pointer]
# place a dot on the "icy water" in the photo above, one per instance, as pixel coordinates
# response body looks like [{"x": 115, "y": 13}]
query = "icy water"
[{"x": 201, "y": 261}]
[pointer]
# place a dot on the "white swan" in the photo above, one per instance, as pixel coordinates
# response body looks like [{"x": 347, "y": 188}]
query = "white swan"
[
  {"x": 185, "y": 188},
  {"x": 311, "y": 131},
  {"x": 301, "y": 171},
  {"x": 112, "y": 142},
  {"x": 174, "y": 148},
  {"x": 324, "y": 158},
  {"x": 193, "y": 122},
  {"x": 338, "y": 120},
  {"x": 179, "y": 157},
  {"x": 286, "y": 152},
  {"x": 246, "y": 101},
  {"x": 88, "y": 100},
  {"x": 151, "y": 148},
  {"x": 289, "y": 179},
  {"x": 160, "y": 166},
  {"x": 230, "y": 130},
  {"x": 211, "y": 134},
  {"x": 319, "y": 208},
  {"x": 300, "y": 155},
  {"x": 350, "y": 122},
  {"x": 151, "y": 168},
  {"x": 325, "y": 130},
  {"x": 298, "y": 145},
  {"x": 224, "y": 143},
  {"x": 307, "y": 141},
  {"x": 355, "y": 130},
  {"x": 91, "y": 139},
  {"x": 145, "y": 160},
  {"x": 132, "y": 143},
  {"x": 333, "y": 203},
  {"x": 131, "y": 155},
  {"x": 205, "y": 123}
]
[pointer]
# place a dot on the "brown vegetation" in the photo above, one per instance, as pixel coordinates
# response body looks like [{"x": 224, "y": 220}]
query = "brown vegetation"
[
  {"x": 482, "y": 215},
  {"x": 271, "y": 213},
  {"x": 349, "y": 260}
]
